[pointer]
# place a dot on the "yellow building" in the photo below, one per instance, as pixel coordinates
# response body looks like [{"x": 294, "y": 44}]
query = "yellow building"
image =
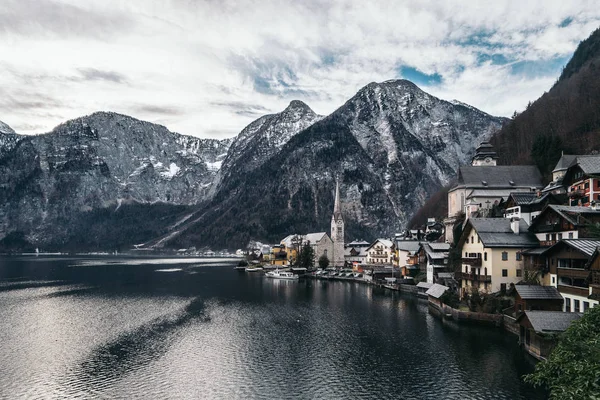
[
  {"x": 491, "y": 253},
  {"x": 279, "y": 255}
]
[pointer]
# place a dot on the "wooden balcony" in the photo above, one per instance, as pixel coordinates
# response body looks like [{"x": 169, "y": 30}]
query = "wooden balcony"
[
  {"x": 472, "y": 261},
  {"x": 576, "y": 273},
  {"x": 548, "y": 228},
  {"x": 574, "y": 290},
  {"x": 476, "y": 278}
]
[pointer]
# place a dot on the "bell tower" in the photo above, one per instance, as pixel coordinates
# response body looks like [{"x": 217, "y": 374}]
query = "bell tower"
[{"x": 337, "y": 230}]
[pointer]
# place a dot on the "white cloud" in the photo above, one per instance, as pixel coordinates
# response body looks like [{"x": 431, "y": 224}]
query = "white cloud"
[{"x": 208, "y": 68}]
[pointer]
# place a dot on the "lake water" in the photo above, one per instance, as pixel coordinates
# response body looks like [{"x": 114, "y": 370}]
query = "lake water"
[{"x": 194, "y": 328}]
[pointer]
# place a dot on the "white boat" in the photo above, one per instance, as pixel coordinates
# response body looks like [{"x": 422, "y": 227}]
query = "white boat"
[
  {"x": 253, "y": 269},
  {"x": 281, "y": 275}
]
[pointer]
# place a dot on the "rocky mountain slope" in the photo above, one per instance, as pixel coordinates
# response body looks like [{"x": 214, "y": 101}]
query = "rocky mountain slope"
[
  {"x": 391, "y": 146},
  {"x": 8, "y": 138},
  {"x": 101, "y": 161},
  {"x": 263, "y": 138}
]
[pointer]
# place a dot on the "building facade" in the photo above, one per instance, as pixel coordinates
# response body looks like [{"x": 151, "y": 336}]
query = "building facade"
[{"x": 337, "y": 231}]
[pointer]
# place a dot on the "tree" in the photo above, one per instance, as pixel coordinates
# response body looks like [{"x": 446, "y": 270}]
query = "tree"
[
  {"x": 323, "y": 262},
  {"x": 306, "y": 257},
  {"x": 572, "y": 371}
]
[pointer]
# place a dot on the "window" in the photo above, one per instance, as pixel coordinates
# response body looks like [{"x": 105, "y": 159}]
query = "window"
[
  {"x": 519, "y": 273},
  {"x": 554, "y": 237},
  {"x": 466, "y": 254},
  {"x": 570, "y": 235},
  {"x": 576, "y": 305},
  {"x": 485, "y": 257},
  {"x": 478, "y": 239},
  {"x": 504, "y": 256},
  {"x": 587, "y": 185},
  {"x": 504, "y": 272},
  {"x": 553, "y": 280},
  {"x": 518, "y": 256},
  {"x": 586, "y": 305},
  {"x": 503, "y": 287},
  {"x": 472, "y": 239},
  {"x": 567, "y": 304},
  {"x": 485, "y": 271},
  {"x": 560, "y": 236},
  {"x": 547, "y": 237}
]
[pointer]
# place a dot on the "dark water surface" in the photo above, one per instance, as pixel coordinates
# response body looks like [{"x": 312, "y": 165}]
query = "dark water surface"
[{"x": 196, "y": 329}]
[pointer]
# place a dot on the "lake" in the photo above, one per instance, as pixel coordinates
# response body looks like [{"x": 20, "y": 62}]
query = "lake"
[{"x": 119, "y": 327}]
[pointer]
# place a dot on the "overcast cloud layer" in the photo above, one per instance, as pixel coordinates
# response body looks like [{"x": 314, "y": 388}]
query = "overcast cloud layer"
[{"x": 208, "y": 68}]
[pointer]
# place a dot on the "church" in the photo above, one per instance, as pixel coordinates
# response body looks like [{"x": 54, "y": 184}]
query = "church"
[
  {"x": 337, "y": 231},
  {"x": 484, "y": 184}
]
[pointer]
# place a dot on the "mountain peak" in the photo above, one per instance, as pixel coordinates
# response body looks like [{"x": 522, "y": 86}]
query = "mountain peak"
[
  {"x": 5, "y": 129},
  {"x": 298, "y": 105}
]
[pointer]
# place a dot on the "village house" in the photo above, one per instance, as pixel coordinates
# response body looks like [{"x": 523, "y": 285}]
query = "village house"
[
  {"x": 538, "y": 330},
  {"x": 558, "y": 222},
  {"x": 594, "y": 267},
  {"x": 279, "y": 255},
  {"x": 483, "y": 184},
  {"x": 528, "y": 205},
  {"x": 433, "y": 259},
  {"x": 583, "y": 180},
  {"x": 556, "y": 186},
  {"x": 408, "y": 257},
  {"x": 491, "y": 253},
  {"x": 381, "y": 252},
  {"x": 536, "y": 297},
  {"x": 434, "y": 295},
  {"x": 569, "y": 270},
  {"x": 355, "y": 253}
]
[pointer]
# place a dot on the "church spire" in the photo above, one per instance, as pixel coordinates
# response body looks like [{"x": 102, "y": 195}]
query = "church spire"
[{"x": 336, "y": 207}]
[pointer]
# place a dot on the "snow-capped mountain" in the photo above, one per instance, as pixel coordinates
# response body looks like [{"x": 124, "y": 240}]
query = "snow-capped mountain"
[
  {"x": 263, "y": 138},
  {"x": 100, "y": 161},
  {"x": 391, "y": 145},
  {"x": 8, "y": 138}
]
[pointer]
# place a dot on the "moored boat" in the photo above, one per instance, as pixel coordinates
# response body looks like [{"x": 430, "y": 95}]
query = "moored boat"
[
  {"x": 281, "y": 275},
  {"x": 253, "y": 269}
]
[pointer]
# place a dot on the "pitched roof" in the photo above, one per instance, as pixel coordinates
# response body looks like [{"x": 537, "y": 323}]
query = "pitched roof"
[
  {"x": 565, "y": 162},
  {"x": 385, "y": 242},
  {"x": 500, "y": 176},
  {"x": 408, "y": 245},
  {"x": 589, "y": 164},
  {"x": 497, "y": 232},
  {"x": 550, "y": 321},
  {"x": 436, "y": 290},
  {"x": 426, "y": 285},
  {"x": 571, "y": 213},
  {"x": 439, "y": 246},
  {"x": 528, "y": 198},
  {"x": 585, "y": 246},
  {"x": 489, "y": 193},
  {"x": 314, "y": 237},
  {"x": 536, "y": 292}
]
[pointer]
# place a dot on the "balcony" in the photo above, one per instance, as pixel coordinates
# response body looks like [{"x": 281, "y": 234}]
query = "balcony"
[
  {"x": 476, "y": 278},
  {"x": 574, "y": 290},
  {"x": 576, "y": 193},
  {"x": 472, "y": 261},
  {"x": 548, "y": 228},
  {"x": 576, "y": 273}
]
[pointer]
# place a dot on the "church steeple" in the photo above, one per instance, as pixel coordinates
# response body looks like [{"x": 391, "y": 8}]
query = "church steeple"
[
  {"x": 337, "y": 210},
  {"x": 337, "y": 230},
  {"x": 485, "y": 155}
]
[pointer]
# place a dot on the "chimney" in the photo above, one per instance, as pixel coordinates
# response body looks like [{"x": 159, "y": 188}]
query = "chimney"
[
  {"x": 539, "y": 194},
  {"x": 514, "y": 225}
]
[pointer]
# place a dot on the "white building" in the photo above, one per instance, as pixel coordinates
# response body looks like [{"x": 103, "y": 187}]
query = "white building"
[{"x": 381, "y": 252}]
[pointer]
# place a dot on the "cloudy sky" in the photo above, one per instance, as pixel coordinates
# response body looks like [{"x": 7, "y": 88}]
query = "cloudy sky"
[{"x": 208, "y": 68}]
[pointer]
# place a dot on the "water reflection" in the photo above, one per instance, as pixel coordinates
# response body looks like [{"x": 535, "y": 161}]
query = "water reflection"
[{"x": 147, "y": 328}]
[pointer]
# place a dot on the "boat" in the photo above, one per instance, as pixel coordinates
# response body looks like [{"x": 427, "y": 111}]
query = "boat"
[
  {"x": 277, "y": 274},
  {"x": 253, "y": 269}
]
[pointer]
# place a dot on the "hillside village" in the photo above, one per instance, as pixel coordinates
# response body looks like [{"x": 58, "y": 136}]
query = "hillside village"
[{"x": 524, "y": 253}]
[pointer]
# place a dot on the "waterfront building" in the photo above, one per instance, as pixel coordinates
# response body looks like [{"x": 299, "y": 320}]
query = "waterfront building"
[
  {"x": 320, "y": 242},
  {"x": 355, "y": 253},
  {"x": 538, "y": 330},
  {"x": 433, "y": 258},
  {"x": 434, "y": 295},
  {"x": 483, "y": 184},
  {"x": 337, "y": 231},
  {"x": 536, "y": 297},
  {"x": 569, "y": 263},
  {"x": 491, "y": 253},
  {"x": 381, "y": 252},
  {"x": 408, "y": 257}
]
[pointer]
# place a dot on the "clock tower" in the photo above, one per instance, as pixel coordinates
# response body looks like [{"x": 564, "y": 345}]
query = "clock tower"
[
  {"x": 337, "y": 231},
  {"x": 485, "y": 155}
]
